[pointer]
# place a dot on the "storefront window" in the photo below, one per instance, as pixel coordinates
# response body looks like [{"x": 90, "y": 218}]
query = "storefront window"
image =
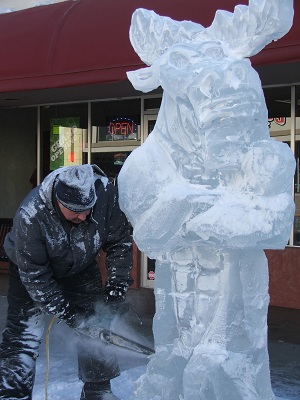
[
  {"x": 111, "y": 163},
  {"x": 296, "y": 235},
  {"x": 116, "y": 123},
  {"x": 279, "y": 112},
  {"x": 63, "y": 128},
  {"x": 116, "y": 131},
  {"x": 284, "y": 124},
  {"x": 152, "y": 104}
]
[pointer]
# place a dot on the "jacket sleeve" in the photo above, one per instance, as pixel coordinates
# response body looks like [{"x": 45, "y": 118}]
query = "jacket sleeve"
[
  {"x": 118, "y": 245},
  {"x": 31, "y": 257}
]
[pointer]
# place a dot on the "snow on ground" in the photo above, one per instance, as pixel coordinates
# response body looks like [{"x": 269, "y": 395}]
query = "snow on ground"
[
  {"x": 63, "y": 382},
  {"x": 62, "y": 377}
]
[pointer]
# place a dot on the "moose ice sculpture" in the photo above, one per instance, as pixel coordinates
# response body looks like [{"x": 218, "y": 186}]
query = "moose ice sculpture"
[{"x": 210, "y": 190}]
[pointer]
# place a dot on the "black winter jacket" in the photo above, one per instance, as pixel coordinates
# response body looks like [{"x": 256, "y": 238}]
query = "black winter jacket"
[{"x": 45, "y": 246}]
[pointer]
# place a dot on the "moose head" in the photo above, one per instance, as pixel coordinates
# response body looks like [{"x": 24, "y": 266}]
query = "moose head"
[{"x": 210, "y": 151}]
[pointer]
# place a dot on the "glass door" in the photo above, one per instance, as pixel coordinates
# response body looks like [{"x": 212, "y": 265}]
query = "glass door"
[{"x": 148, "y": 265}]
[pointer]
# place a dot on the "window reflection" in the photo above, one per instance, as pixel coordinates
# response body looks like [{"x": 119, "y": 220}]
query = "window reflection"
[{"x": 111, "y": 163}]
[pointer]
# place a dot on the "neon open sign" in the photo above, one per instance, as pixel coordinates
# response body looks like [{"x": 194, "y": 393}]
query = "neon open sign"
[{"x": 122, "y": 127}]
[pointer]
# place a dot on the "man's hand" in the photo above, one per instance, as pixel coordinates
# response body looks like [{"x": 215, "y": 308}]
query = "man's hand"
[
  {"x": 114, "y": 297},
  {"x": 114, "y": 293}
]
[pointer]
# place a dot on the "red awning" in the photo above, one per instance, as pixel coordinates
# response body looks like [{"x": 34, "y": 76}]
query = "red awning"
[{"x": 86, "y": 42}]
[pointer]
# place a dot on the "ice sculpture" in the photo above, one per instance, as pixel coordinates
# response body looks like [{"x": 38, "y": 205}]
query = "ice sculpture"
[{"x": 206, "y": 193}]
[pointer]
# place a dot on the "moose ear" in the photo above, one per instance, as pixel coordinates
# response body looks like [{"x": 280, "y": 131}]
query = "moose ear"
[
  {"x": 151, "y": 35},
  {"x": 145, "y": 79},
  {"x": 249, "y": 29}
]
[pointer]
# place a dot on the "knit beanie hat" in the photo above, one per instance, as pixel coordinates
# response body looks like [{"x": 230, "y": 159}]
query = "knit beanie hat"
[{"x": 75, "y": 188}]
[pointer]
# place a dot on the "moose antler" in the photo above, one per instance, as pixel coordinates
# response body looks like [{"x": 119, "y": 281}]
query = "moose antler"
[
  {"x": 249, "y": 29},
  {"x": 151, "y": 34},
  {"x": 246, "y": 31}
]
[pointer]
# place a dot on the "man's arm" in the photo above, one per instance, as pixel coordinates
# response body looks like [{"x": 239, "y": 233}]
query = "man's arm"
[
  {"x": 118, "y": 248},
  {"x": 36, "y": 273}
]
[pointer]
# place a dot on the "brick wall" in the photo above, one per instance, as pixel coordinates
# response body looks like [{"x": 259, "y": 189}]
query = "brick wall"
[{"x": 284, "y": 272}]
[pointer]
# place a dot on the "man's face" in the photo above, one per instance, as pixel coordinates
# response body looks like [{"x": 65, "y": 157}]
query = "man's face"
[{"x": 72, "y": 216}]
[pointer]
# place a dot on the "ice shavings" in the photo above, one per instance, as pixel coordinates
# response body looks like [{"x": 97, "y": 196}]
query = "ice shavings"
[
  {"x": 29, "y": 211},
  {"x": 97, "y": 241}
]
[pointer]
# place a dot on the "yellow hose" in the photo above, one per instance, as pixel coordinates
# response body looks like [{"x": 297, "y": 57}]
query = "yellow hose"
[{"x": 47, "y": 357}]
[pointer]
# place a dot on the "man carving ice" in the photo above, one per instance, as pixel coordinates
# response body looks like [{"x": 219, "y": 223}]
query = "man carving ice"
[
  {"x": 58, "y": 230},
  {"x": 211, "y": 190}
]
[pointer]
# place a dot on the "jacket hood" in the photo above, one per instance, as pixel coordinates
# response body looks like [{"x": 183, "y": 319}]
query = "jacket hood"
[{"x": 46, "y": 187}]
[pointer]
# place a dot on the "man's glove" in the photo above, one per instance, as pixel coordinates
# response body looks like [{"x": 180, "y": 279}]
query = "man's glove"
[
  {"x": 114, "y": 297},
  {"x": 114, "y": 292}
]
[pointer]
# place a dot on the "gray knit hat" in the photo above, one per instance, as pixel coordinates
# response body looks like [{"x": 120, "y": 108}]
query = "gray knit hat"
[{"x": 75, "y": 188}]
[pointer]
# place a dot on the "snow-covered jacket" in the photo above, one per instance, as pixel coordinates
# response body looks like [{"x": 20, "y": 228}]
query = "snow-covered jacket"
[{"x": 45, "y": 246}]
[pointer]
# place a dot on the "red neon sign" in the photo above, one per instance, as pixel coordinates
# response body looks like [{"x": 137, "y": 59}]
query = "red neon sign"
[{"x": 122, "y": 126}]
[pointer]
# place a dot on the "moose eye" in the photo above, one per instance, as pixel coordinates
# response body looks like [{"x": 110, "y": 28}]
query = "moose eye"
[
  {"x": 238, "y": 71},
  {"x": 212, "y": 50},
  {"x": 215, "y": 53},
  {"x": 179, "y": 60}
]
